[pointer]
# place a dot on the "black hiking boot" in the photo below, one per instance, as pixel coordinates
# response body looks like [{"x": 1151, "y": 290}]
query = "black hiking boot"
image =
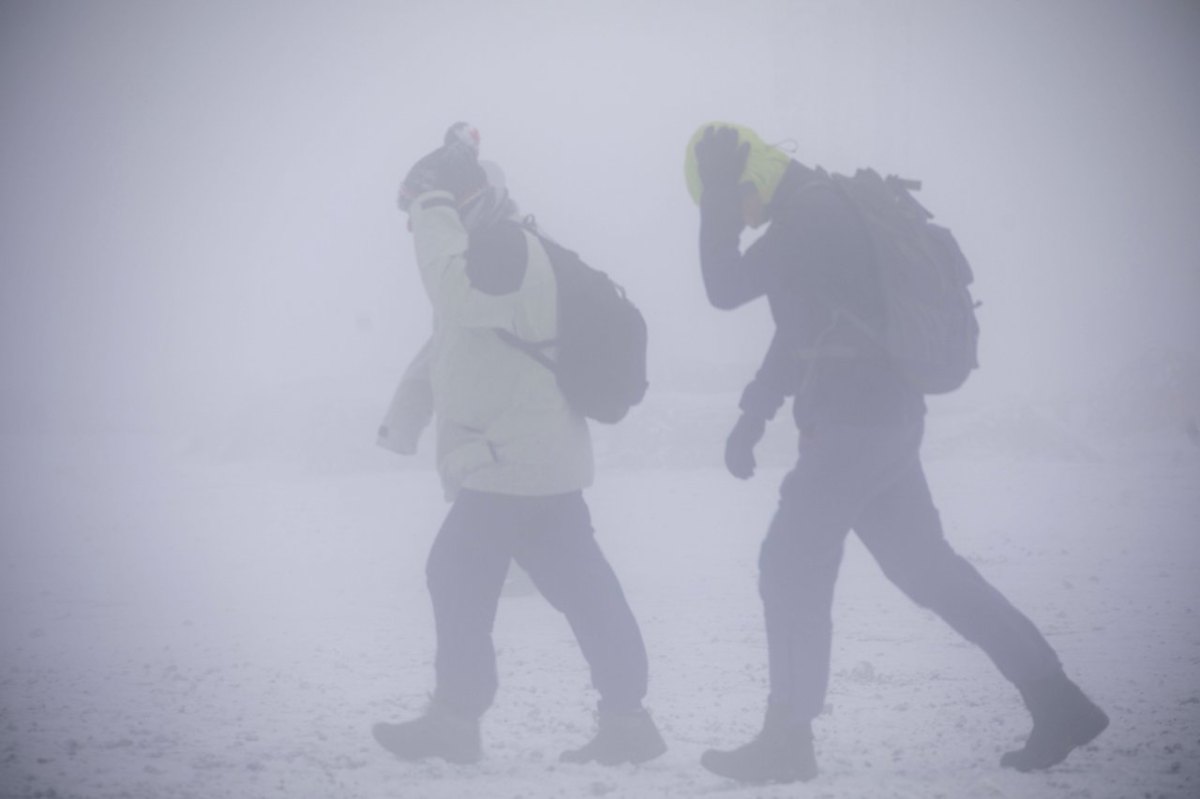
[
  {"x": 1064, "y": 719},
  {"x": 629, "y": 737},
  {"x": 782, "y": 752},
  {"x": 438, "y": 733}
]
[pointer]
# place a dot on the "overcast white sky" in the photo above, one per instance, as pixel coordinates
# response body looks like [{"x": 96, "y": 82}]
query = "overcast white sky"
[{"x": 197, "y": 199}]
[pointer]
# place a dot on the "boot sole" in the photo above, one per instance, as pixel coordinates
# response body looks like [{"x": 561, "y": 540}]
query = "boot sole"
[
  {"x": 571, "y": 757},
  {"x": 382, "y": 736},
  {"x": 706, "y": 761},
  {"x": 1014, "y": 759}
]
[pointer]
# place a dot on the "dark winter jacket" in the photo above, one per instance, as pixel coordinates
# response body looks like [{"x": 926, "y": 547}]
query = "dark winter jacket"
[{"x": 814, "y": 258}]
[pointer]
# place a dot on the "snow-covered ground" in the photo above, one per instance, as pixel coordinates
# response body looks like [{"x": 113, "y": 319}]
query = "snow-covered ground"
[{"x": 224, "y": 617}]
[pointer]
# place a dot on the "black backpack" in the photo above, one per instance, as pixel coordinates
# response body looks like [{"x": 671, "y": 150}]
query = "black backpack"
[
  {"x": 930, "y": 331},
  {"x": 600, "y": 362}
]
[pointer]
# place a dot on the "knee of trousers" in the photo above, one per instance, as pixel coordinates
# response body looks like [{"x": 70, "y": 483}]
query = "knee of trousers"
[
  {"x": 442, "y": 574},
  {"x": 796, "y": 582},
  {"x": 936, "y": 582}
]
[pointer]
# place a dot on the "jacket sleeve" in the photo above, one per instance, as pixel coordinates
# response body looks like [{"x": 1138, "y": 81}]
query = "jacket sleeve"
[
  {"x": 442, "y": 246},
  {"x": 773, "y": 383},
  {"x": 733, "y": 278},
  {"x": 411, "y": 409}
]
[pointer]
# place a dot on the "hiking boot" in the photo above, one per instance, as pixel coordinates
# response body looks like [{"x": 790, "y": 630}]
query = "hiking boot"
[
  {"x": 1064, "y": 719},
  {"x": 782, "y": 752},
  {"x": 629, "y": 737},
  {"x": 438, "y": 733}
]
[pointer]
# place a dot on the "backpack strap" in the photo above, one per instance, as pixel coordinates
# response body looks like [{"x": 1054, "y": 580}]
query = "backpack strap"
[{"x": 534, "y": 349}]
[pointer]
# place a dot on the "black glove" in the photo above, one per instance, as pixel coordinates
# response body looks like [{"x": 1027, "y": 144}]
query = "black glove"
[
  {"x": 739, "y": 447},
  {"x": 720, "y": 159},
  {"x": 452, "y": 167}
]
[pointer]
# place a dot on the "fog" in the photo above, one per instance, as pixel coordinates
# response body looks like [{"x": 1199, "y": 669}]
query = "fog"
[
  {"x": 207, "y": 295},
  {"x": 198, "y": 199}
]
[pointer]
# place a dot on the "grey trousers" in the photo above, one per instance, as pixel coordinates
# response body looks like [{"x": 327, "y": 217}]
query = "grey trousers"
[
  {"x": 551, "y": 538},
  {"x": 870, "y": 480}
]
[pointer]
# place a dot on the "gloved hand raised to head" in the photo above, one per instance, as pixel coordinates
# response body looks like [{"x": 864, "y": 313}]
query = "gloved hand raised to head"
[
  {"x": 453, "y": 167},
  {"x": 739, "y": 447},
  {"x": 720, "y": 159}
]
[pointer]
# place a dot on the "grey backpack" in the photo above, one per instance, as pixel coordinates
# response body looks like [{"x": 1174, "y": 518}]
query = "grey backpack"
[
  {"x": 930, "y": 332},
  {"x": 600, "y": 360}
]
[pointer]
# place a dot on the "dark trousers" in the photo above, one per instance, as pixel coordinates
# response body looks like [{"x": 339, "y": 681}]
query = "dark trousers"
[
  {"x": 552, "y": 539},
  {"x": 870, "y": 480}
]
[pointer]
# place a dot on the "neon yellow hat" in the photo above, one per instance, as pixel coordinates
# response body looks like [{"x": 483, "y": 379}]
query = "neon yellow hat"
[{"x": 765, "y": 164}]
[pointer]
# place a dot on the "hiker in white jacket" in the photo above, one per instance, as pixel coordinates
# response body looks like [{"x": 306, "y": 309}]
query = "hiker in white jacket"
[{"x": 513, "y": 458}]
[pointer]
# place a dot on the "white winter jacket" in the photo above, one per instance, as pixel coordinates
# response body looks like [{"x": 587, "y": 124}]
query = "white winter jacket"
[{"x": 502, "y": 424}]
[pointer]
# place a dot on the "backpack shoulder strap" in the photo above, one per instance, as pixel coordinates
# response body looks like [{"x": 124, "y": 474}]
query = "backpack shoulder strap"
[{"x": 535, "y": 350}]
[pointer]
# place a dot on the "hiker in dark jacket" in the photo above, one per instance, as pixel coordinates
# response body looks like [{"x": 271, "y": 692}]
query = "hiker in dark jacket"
[
  {"x": 859, "y": 468},
  {"x": 514, "y": 459}
]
